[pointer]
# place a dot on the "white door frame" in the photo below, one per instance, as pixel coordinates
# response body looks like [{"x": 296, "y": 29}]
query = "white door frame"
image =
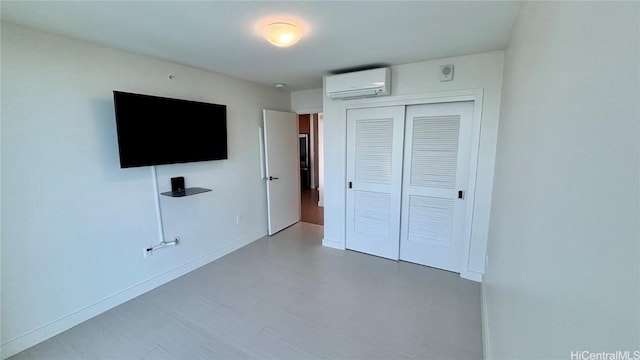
[
  {"x": 320, "y": 159},
  {"x": 312, "y": 154},
  {"x": 475, "y": 95}
]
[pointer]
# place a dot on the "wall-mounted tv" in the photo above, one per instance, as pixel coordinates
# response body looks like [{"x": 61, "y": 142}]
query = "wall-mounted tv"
[{"x": 155, "y": 130}]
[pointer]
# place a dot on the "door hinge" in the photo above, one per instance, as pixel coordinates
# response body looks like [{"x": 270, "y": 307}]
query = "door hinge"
[
  {"x": 460, "y": 194},
  {"x": 350, "y": 185}
]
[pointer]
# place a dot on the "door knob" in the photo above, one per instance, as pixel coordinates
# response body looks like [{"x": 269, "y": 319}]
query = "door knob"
[{"x": 271, "y": 178}]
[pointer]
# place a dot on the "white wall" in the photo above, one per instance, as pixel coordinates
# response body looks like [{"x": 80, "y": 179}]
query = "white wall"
[
  {"x": 471, "y": 72},
  {"x": 564, "y": 243},
  {"x": 73, "y": 223},
  {"x": 1, "y": 147},
  {"x": 306, "y": 101}
]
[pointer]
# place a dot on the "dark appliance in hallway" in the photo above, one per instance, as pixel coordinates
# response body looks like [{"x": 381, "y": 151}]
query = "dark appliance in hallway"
[{"x": 305, "y": 171}]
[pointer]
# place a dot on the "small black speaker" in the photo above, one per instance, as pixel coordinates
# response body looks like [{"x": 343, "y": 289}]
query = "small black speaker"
[{"x": 177, "y": 184}]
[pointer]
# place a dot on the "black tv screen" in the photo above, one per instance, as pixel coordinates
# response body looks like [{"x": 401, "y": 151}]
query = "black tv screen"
[{"x": 155, "y": 130}]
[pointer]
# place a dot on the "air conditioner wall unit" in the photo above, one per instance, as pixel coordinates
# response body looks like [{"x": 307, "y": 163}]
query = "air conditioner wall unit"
[{"x": 359, "y": 84}]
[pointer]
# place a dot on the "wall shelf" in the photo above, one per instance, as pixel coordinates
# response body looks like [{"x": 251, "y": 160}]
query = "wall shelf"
[{"x": 186, "y": 192}]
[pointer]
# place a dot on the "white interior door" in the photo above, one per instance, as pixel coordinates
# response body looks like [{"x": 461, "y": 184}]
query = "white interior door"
[
  {"x": 282, "y": 169},
  {"x": 435, "y": 176},
  {"x": 374, "y": 176}
]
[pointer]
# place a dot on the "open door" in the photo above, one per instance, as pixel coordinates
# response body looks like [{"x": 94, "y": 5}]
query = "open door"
[{"x": 282, "y": 169}]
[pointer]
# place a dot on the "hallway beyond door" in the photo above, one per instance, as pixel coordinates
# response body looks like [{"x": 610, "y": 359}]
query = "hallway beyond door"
[{"x": 311, "y": 212}]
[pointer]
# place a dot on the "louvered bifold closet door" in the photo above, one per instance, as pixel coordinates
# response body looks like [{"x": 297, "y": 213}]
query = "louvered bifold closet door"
[
  {"x": 374, "y": 180},
  {"x": 435, "y": 176}
]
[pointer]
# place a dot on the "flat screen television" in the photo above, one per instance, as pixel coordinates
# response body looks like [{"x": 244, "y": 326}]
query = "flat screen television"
[{"x": 155, "y": 130}]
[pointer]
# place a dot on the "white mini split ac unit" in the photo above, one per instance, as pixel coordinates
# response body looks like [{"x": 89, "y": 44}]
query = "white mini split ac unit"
[{"x": 366, "y": 83}]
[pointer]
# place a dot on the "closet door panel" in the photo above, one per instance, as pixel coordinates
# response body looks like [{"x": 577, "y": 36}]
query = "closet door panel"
[
  {"x": 374, "y": 176},
  {"x": 436, "y": 162}
]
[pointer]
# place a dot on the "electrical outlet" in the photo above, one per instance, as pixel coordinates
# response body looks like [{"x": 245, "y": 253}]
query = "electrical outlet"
[{"x": 238, "y": 219}]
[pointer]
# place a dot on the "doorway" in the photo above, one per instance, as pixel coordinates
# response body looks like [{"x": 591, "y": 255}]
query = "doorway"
[{"x": 310, "y": 153}]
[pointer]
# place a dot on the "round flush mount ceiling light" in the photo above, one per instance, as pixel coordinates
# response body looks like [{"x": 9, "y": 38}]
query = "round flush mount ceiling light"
[{"x": 281, "y": 33}]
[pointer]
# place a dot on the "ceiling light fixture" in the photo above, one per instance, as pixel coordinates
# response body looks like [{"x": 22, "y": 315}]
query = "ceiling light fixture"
[{"x": 281, "y": 34}]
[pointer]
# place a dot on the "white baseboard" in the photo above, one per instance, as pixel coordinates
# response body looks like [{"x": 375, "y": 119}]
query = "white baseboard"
[
  {"x": 485, "y": 325},
  {"x": 333, "y": 244},
  {"x": 33, "y": 337},
  {"x": 321, "y": 203}
]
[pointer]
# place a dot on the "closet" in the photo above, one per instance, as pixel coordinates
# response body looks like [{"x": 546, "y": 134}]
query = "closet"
[{"x": 407, "y": 177}]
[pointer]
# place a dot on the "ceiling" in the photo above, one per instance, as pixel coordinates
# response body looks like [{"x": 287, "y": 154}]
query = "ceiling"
[{"x": 223, "y": 36}]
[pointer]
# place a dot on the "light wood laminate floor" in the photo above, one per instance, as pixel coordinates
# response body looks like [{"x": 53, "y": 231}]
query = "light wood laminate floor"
[{"x": 287, "y": 297}]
